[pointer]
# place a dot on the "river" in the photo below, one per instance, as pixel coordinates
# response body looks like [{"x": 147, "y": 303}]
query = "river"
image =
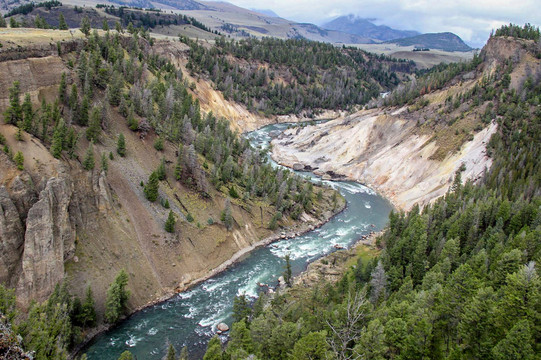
[{"x": 189, "y": 318}]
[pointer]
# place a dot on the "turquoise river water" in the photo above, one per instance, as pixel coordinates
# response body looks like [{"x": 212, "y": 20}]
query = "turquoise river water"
[{"x": 189, "y": 318}]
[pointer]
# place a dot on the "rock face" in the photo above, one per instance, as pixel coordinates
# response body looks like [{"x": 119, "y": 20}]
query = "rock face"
[
  {"x": 101, "y": 188},
  {"x": 34, "y": 74},
  {"x": 11, "y": 237},
  {"x": 49, "y": 241},
  {"x": 383, "y": 151}
]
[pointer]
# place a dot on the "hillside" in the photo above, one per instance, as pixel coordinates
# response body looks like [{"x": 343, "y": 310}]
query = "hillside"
[
  {"x": 411, "y": 149},
  {"x": 277, "y": 77},
  {"x": 104, "y": 142},
  {"x": 352, "y": 24},
  {"x": 458, "y": 278},
  {"x": 445, "y": 41}
]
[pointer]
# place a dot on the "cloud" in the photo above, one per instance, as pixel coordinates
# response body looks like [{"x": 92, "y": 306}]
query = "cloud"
[{"x": 470, "y": 19}]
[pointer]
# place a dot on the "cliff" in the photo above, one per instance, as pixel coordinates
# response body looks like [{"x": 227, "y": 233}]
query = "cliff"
[{"x": 411, "y": 153}]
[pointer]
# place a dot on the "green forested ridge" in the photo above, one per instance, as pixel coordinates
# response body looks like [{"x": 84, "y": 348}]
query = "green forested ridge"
[
  {"x": 527, "y": 31},
  {"x": 150, "y": 18},
  {"x": 457, "y": 280},
  {"x": 63, "y": 16},
  {"x": 288, "y": 76},
  {"x": 27, "y": 8}
]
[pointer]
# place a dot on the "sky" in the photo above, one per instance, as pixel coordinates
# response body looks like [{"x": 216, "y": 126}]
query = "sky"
[{"x": 472, "y": 20}]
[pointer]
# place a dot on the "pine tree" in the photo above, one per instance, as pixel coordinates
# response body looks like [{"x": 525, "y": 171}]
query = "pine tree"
[
  {"x": 114, "y": 90},
  {"x": 19, "y": 160},
  {"x": 287, "y": 273},
  {"x": 273, "y": 224},
  {"x": 19, "y": 134},
  {"x": 105, "y": 25},
  {"x": 70, "y": 143},
  {"x": 131, "y": 28},
  {"x": 104, "y": 163},
  {"x": 58, "y": 139},
  {"x": 151, "y": 187},
  {"x": 85, "y": 25},
  {"x": 14, "y": 112},
  {"x": 133, "y": 124},
  {"x": 82, "y": 66},
  {"x": 312, "y": 346},
  {"x": 171, "y": 354},
  {"x": 82, "y": 115},
  {"x": 3, "y": 23},
  {"x": 62, "y": 25},
  {"x": 13, "y": 23},
  {"x": 214, "y": 349},
  {"x": 226, "y": 216},
  {"x": 88, "y": 162},
  {"x": 74, "y": 98},
  {"x": 28, "y": 114},
  {"x": 240, "y": 339},
  {"x": 170, "y": 223},
  {"x": 62, "y": 96},
  {"x": 160, "y": 171},
  {"x": 183, "y": 354},
  {"x": 121, "y": 145},
  {"x": 178, "y": 171},
  {"x": 241, "y": 308},
  {"x": 94, "y": 127},
  {"x": 88, "y": 311},
  {"x": 117, "y": 298},
  {"x": 158, "y": 144}
]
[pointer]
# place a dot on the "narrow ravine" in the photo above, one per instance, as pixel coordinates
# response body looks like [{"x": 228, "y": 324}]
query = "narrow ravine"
[{"x": 190, "y": 318}]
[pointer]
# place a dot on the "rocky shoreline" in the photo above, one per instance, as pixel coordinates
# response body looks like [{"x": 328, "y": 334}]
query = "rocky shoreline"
[
  {"x": 332, "y": 267},
  {"x": 293, "y": 232}
]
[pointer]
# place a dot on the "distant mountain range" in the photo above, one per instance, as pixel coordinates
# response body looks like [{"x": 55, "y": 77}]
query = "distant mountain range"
[
  {"x": 238, "y": 22},
  {"x": 445, "y": 41},
  {"x": 352, "y": 24},
  {"x": 267, "y": 12}
]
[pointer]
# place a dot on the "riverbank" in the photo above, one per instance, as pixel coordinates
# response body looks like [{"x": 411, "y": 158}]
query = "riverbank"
[{"x": 309, "y": 224}]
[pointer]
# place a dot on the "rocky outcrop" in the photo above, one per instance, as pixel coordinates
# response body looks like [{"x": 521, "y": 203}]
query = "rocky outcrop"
[
  {"x": 49, "y": 241},
  {"x": 23, "y": 194},
  {"x": 36, "y": 76},
  {"x": 11, "y": 238},
  {"x": 40, "y": 50},
  {"x": 101, "y": 189}
]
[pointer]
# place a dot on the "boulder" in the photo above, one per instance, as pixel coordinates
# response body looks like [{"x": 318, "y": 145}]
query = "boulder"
[
  {"x": 222, "y": 327},
  {"x": 298, "y": 167}
]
